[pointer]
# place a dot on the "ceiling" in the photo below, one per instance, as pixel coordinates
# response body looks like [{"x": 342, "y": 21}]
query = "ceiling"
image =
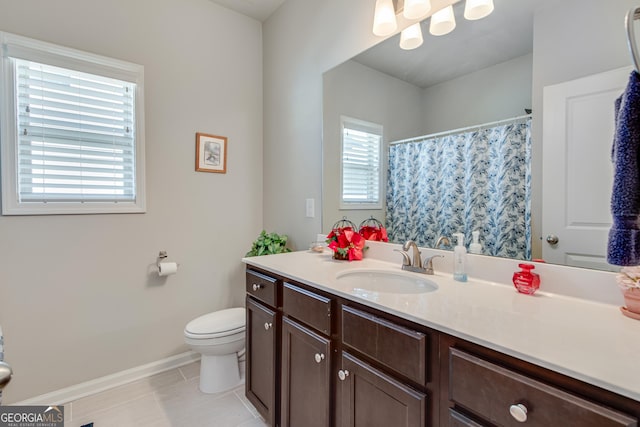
[
  {"x": 473, "y": 45},
  {"x": 257, "y": 9}
]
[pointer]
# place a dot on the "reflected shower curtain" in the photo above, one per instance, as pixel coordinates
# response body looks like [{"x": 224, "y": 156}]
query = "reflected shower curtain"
[{"x": 477, "y": 180}]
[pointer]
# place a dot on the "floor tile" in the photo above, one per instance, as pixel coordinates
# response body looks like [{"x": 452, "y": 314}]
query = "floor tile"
[
  {"x": 164, "y": 400},
  {"x": 143, "y": 411},
  {"x": 239, "y": 392},
  {"x": 192, "y": 370},
  {"x": 125, "y": 393},
  {"x": 185, "y": 405}
]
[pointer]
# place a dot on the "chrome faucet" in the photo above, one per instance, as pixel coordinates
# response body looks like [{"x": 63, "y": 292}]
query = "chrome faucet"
[
  {"x": 442, "y": 240},
  {"x": 415, "y": 264},
  {"x": 417, "y": 261}
]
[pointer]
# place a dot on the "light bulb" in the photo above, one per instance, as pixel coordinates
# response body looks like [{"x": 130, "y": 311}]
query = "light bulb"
[
  {"x": 477, "y": 9},
  {"x": 384, "y": 18},
  {"x": 442, "y": 22},
  {"x": 411, "y": 37},
  {"x": 416, "y": 9}
]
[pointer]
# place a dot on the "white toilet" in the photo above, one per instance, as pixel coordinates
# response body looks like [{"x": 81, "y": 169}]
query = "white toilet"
[{"x": 218, "y": 336}]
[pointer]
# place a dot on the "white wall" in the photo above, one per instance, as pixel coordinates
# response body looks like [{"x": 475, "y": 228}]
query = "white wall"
[
  {"x": 357, "y": 91},
  {"x": 78, "y": 295},
  {"x": 494, "y": 93},
  {"x": 302, "y": 40}
]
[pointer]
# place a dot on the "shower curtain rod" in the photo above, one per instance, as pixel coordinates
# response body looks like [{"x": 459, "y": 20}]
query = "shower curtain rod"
[{"x": 461, "y": 130}]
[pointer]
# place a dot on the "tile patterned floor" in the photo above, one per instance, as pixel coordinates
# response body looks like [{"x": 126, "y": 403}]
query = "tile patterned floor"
[{"x": 169, "y": 399}]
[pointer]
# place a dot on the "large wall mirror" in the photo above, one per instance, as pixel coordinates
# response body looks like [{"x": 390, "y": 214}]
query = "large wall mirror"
[{"x": 521, "y": 58}]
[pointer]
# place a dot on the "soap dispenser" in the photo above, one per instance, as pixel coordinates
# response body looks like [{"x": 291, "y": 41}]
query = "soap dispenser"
[
  {"x": 459, "y": 259},
  {"x": 475, "y": 247}
]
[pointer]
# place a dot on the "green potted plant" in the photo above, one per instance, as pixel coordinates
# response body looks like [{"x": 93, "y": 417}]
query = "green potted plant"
[{"x": 268, "y": 243}]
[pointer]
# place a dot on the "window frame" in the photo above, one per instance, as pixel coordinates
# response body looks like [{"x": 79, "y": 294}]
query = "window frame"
[
  {"x": 372, "y": 128},
  {"x": 14, "y": 46}
]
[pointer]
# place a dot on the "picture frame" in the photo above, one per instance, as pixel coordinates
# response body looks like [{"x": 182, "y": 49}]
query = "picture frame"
[{"x": 211, "y": 153}]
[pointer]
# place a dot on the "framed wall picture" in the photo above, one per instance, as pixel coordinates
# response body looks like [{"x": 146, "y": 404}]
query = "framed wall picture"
[{"x": 211, "y": 153}]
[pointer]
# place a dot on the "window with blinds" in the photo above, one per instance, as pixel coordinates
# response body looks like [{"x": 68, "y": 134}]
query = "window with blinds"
[
  {"x": 74, "y": 144},
  {"x": 361, "y": 171}
]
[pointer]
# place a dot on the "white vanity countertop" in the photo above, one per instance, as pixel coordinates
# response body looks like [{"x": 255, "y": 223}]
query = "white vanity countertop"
[{"x": 587, "y": 340}]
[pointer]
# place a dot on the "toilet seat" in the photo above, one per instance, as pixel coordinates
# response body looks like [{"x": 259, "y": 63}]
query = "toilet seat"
[{"x": 218, "y": 324}]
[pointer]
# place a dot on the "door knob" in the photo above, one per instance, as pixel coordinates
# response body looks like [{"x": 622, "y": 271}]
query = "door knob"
[
  {"x": 343, "y": 374},
  {"x": 256, "y": 287},
  {"x": 319, "y": 357},
  {"x": 267, "y": 326},
  {"x": 5, "y": 374},
  {"x": 552, "y": 239}
]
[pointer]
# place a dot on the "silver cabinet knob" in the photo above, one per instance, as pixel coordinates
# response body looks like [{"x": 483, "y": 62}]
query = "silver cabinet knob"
[
  {"x": 257, "y": 287},
  {"x": 518, "y": 412},
  {"x": 267, "y": 326},
  {"x": 343, "y": 374},
  {"x": 5, "y": 374},
  {"x": 319, "y": 357},
  {"x": 552, "y": 239}
]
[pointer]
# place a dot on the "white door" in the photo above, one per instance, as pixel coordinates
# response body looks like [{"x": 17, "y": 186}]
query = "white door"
[{"x": 577, "y": 176}]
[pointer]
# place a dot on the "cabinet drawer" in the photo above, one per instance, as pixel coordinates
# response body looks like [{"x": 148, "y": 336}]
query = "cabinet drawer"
[
  {"x": 307, "y": 307},
  {"x": 489, "y": 391},
  {"x": 456, "y": 419},
  {"x": 396, "y": 347},
  {"x": 262, "y": 287}
]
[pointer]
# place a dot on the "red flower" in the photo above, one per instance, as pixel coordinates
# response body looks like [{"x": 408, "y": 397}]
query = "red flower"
[
  {"x": 374, "y": 233},
  {"x": 346, "y": 242}
]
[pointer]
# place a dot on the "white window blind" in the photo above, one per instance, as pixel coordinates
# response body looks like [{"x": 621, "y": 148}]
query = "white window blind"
[
  {"x": 76, "y": 135},
  {"x": 361, "y": 173},
  {"x": 72, "y": 130}
]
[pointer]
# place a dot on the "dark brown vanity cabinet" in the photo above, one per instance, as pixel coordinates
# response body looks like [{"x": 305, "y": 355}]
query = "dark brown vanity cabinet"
[
  {"x": 306, "y": 358},
  {"x": 487, "y": 388},
  {"x": 375, "y": 392},
  {"x": 372, "y": 398},
  {"x": 262, "y": 342},
  {"x": 316, "y": 359}
]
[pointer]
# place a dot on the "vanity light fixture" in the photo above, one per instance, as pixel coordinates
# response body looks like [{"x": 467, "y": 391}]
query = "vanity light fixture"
[
  {"x": 477, "y": 9},
  {"x": 416, "y": 9},
  {"x": 442, "y": 22},
  {"x": 411, "y": 37},
  {"x": 384, "y": 18}
]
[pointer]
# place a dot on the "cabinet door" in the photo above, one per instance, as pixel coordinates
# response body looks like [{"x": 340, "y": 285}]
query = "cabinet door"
[
  {"x": 261, "y": 370},
  {"x": 305, "y": 377},
  {"x": 370, "y": 398}
]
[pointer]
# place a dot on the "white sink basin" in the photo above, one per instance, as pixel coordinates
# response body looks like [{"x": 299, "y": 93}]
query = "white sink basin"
[{"x": 385, "y": 281}]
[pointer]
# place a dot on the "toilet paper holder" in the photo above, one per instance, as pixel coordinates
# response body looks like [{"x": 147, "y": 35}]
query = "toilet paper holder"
[
  {"x": 161, "y": 256},
  {"x": 166, "y": 268}
]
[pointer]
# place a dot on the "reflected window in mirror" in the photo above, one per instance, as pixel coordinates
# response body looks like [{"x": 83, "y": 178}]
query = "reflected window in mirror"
[{"x": 360, "y": 164}]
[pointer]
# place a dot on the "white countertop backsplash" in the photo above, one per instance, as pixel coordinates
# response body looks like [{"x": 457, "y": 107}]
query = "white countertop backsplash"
[{"x": 572, "y": 325}]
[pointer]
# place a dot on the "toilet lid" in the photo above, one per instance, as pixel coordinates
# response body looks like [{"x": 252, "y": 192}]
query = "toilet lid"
[{"x": 228, "y": 320}]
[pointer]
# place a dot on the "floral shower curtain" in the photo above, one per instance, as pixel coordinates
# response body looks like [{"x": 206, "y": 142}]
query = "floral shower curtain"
[{"x": 476, "y": 180}]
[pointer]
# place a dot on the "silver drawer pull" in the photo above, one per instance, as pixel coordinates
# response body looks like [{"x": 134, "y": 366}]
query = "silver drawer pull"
[
  {"x": 319, "y": 357},
  {"x": 267, "y": 326},
  {"x": 343, "y": 374},
  {"x": 518, "y": 412},
  {"x": 257, "y": 287}
]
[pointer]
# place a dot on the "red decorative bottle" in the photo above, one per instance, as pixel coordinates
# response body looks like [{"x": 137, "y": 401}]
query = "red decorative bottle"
[{"x": 525, "y": 281}]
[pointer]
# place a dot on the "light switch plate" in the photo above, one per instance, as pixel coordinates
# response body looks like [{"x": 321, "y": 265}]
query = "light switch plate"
[{"x": 311, "y": 208}]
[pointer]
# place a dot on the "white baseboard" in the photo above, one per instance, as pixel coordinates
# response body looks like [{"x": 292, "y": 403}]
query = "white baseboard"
[{"x": 74, "y": 392}]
